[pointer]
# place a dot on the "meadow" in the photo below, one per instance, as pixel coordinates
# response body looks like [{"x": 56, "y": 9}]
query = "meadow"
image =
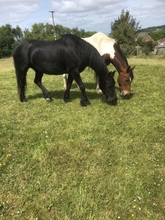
[{"x": 61, "y": 161}]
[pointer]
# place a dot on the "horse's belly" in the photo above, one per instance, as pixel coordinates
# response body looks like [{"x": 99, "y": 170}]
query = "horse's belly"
[
  {"x": 49, "y": 66},
  {"x": 52, "y": 69},
  {"x": 55, "y": 63}
]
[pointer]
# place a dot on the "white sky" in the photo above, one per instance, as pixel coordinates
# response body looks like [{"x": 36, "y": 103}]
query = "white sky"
[{"x": 90, "y": 15}]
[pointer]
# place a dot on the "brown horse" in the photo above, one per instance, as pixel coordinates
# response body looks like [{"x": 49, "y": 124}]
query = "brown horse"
[{"x": 112, "y": 53}]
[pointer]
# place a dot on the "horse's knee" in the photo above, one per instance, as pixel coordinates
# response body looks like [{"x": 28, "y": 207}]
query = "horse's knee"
[{"x": 81, "y": 87}]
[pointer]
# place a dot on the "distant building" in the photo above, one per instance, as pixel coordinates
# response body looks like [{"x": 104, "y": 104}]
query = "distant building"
[
  {"x": 160, "y": 48},
  {"x": 144, "y": 36}
]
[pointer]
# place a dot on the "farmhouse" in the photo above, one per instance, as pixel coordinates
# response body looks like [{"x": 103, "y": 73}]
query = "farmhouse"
[
  {"x": 144, "y": 36},
  {"x": 160, "y": 48}
]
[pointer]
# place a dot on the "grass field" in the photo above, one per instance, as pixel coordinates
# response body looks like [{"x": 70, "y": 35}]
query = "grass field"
[{"x": 62, "y": 161}]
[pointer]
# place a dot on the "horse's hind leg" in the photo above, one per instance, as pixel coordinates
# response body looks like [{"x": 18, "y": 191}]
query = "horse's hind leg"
[
  {"x": 21, "y": 83},
  {"x": 37, "y": 81},
  {"x": 64, "y": 80}
]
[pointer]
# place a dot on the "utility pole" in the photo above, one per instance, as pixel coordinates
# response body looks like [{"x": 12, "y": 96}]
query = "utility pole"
[{"x": 53, "y": 24}]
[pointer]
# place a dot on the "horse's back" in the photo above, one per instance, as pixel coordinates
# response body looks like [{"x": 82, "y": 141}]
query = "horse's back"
[
  {"x": 22, "y": 50},
  {"x": 51, "y": 57},
  {"x": 102, "y": 43}
]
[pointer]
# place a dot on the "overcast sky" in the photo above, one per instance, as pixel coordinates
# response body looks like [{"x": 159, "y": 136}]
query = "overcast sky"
[{"x": 90, "y": 15}]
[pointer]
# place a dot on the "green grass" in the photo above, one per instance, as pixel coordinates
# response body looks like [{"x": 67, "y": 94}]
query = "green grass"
[{"x": 67, "y": 162}]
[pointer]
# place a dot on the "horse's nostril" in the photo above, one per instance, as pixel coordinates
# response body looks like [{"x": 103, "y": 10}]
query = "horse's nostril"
[{"x": 122, "y": 93}]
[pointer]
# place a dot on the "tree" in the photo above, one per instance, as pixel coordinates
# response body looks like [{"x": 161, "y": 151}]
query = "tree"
[
  {"x": 60, "y": 30},
  {"x": 39, "y": 31},
  {"x": 6, "y": 40},
  {"x": 124, "y": 30},
  {"x": 17, "y": 35},
  {"x": 46, "y": 32},
  {"x": 157, "y": 35},
  {"x": 10, "y": 37},
  {"x": 42, "y": 31}
]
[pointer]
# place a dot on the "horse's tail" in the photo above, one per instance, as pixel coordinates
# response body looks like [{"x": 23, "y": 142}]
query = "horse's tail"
[{"x": 20, "y": 71}]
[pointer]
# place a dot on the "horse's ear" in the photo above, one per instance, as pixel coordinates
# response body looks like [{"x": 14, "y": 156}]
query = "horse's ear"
[
  {"x": 128, "y": 69},
  {"x": 132, "y": 68},
  {"x": 112, "y": 73}
]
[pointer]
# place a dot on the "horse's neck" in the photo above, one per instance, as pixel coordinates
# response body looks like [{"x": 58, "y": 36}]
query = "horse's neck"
[
  {"x": 120, "y": 66},
  {"x": 98, "y": 65},
  {"x": 119, "y": 60}
]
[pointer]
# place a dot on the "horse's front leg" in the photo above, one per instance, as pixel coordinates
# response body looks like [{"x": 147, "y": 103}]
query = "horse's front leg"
[
  {"x": 84, "y": 100},
  {"x": 37, "y": 81}
]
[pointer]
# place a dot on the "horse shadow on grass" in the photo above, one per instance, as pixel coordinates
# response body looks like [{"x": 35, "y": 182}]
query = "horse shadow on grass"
[{"x": 74, "y": 93}]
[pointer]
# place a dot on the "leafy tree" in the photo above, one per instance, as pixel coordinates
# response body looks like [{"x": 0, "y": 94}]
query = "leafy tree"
[
  {"x": 157, "y": 35},
  {"x": 153, "y": 29},
  {"x": 17, "y": 35},
  {"x": 60, "y": 30},
  {"x": 6, "y": 40},
  {"x": 124, "y": 30},
  {"x": 27, "y": 34},
  {"x": 39, "y": 31},
  {"x": 46, "y": 32},
  {"x": 89, "y": 33}
]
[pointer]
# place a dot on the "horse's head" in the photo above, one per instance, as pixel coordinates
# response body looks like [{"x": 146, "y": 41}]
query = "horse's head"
[
  {"x": 107, "y": 85},
  {"x": 124, "y": 80}
]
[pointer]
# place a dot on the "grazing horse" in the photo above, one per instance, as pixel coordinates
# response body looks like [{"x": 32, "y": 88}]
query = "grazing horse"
[
  {"x": 111, "y": 53},
  {"x": 69, "y": 54}
]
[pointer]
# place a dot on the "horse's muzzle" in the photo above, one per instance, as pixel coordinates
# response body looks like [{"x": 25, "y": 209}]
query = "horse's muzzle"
[
  {"x": 112, "y": 101},
  {"x": 125, "y": 93}
]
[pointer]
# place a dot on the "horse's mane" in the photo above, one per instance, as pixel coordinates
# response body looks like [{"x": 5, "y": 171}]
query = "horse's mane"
[
  {"x": 117, "y": 48},
  {"x": 87, "y": 52}
]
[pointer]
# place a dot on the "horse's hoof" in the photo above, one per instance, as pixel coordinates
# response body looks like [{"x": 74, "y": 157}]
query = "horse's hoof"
[
  {"x": 48, "y": 99},
  {"x": 67, "y": 100},
  {"x": 23, "y": 100},
  {"x": 84, "y": 103}
]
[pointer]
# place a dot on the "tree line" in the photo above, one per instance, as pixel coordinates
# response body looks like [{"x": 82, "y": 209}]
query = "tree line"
[
  {"x": 123, "y": 30},
  {"x": 10, "y": 37}
]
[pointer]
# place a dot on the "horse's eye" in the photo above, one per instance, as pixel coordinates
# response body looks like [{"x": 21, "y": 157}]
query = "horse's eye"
[{"x": 127, "y": 80}]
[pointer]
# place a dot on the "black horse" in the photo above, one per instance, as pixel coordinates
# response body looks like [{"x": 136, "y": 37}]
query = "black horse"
[{"x": 70, "y": 54}]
